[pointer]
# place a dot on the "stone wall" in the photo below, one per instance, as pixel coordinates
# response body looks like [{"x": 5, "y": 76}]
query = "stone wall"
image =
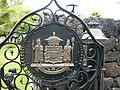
[{"x": 111, "y": 29}]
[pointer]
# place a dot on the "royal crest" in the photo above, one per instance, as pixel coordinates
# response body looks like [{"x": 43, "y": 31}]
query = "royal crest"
[
  {"x": 53, "y": 58},
  {"x": 53, "y": 52}
]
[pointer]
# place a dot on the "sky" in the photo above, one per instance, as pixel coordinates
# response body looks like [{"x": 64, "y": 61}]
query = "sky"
[{"x": 107, "y": 8}]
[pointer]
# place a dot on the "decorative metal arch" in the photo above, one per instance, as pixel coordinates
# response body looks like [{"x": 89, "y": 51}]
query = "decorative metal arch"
[{"x": 18, "y": 71}]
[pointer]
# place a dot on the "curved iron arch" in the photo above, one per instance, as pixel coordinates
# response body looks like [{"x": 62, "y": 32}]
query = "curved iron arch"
[{"x": 90, "y": 66}]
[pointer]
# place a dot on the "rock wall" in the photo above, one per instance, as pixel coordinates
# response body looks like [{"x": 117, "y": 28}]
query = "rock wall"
[{"x": 111, "y": 29}]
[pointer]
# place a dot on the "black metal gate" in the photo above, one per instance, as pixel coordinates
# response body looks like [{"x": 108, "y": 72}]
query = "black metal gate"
[{"x": 51, "y": 50}]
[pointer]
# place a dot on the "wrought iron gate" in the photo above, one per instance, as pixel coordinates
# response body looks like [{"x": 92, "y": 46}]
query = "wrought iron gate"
[{"x": 51, "y": 50}]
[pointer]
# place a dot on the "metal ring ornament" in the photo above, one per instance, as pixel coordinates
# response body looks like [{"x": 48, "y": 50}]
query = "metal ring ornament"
[{"x": 12, "y": 52}]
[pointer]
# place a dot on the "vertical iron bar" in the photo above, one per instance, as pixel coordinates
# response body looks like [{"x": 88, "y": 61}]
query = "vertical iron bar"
[
  {"x": 102, "y": 72},
  {"x": 0, "y": 80}
]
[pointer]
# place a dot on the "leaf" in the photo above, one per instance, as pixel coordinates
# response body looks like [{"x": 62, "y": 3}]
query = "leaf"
[{"x": 10, "y": 13}]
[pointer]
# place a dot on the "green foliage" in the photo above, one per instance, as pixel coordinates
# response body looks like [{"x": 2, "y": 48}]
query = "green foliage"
[
  {"x": 95, "y": 14},
  {"x": 3, "y": 60},
  {"x": 80, "y": 14},
  {"x": 10, "y": 13}
]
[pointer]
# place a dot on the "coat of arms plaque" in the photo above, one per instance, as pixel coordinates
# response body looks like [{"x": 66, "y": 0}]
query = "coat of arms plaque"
[{"x": 53, "y": 58}]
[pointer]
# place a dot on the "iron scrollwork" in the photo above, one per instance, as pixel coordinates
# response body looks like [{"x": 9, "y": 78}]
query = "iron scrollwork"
[{"x": 46, "y": 49}]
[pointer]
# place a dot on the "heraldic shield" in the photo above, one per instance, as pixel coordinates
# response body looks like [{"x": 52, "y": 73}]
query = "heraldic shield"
[
  {"x": 54, "y": 59},
  {"x": 53, "y": 52},
  {"x": 51, "y": 49}
]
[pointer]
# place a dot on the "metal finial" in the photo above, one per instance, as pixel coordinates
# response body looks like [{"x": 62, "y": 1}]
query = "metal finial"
[{"x": 73, "y": 5}]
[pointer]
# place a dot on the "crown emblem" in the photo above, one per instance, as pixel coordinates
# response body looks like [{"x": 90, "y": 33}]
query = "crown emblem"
[
  {"x": 54, "y": 58},
  {"x": 53, "y": 40}
]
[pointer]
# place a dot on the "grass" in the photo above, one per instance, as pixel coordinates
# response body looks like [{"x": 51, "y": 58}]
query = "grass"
[{"x": 3, "y": 61}]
